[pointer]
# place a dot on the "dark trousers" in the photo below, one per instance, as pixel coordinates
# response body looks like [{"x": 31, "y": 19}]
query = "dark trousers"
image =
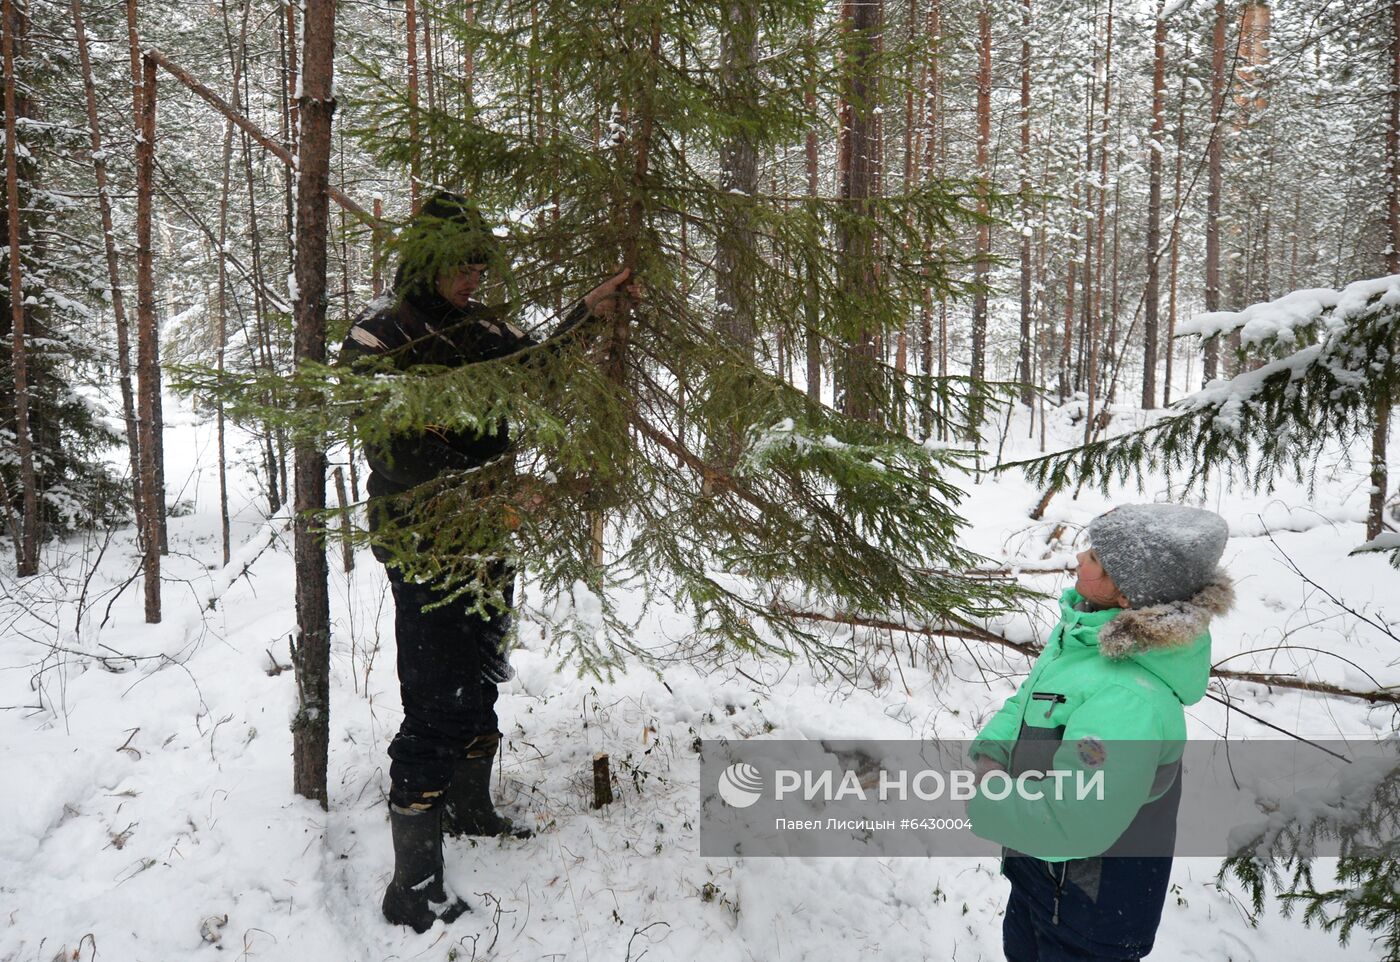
[
  {"x": 449, "y": 661},
  {"x": 1027, "y": 936}
]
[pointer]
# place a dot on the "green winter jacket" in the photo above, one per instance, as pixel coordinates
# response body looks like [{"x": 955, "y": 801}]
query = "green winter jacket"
[{"x": 1105, "y": 697}]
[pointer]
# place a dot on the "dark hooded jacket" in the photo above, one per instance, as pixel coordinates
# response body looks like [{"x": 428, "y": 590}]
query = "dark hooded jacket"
[{"x": 421, "y": 327}]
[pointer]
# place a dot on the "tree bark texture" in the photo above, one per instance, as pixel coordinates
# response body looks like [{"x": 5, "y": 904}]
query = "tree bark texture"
[
  {"x": 1154, "y": 215},
  {"x": 734, "y": 246},
  {"x": 26, "y": 538},
  {"x": 1380, "y": 434},
  {"x": 859, "y": 392},
  {"x": 1027, "y": 394},
  {"x": 1177, "y": 207},
  {"x": 147, "y": 354},
  {"x": 1094, "y": 282},
  {"x": 984, "y": 230},
  {"x": 415, "y": 162},
  {"x": 310, "y": 728},
  {"x": 814, "y": 340},
  {"x": 1214, "y": 159}
]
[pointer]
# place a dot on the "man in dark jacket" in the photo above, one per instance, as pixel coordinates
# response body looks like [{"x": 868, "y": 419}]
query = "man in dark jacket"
[{"x": 450, "y": 657}]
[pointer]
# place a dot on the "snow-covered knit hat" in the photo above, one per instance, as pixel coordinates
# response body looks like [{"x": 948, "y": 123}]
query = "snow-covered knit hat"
[{"x": 1156, "y": 553}]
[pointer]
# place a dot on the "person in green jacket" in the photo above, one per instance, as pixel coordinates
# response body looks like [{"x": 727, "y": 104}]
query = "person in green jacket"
[{"x": 1103, "y": 706}]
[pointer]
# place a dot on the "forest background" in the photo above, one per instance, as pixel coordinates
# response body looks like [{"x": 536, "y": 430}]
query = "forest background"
[{"x": 965, "y": 215}]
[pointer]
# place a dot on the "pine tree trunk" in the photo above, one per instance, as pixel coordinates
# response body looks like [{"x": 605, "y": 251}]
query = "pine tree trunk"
[
  {"x": 377, "y": 264},
  {"x": 1380, "y": 435},
  {"x": 27, "y": 537},
  {"x": 1154, "y": 214},
  {"x": 310, "y": 728},
  {"x": 1100, "y": 232},
  {"x": 1392, "y": 148},
  {"x": 929, "y": 146},
  {"x": 293, "y": 113},
  {"x": 734, "y": 245},
  {"x": 237, "y": 58},
  {"x": 858, "y": 383},
  {"x": 258, "y": 349},
  {"x": 1177, "y": 206},
  {"x": 1027, "y": 390},
  {"x": 150, "y": 431},
  {"x": 1214, "y": 156},
  {"x": 1067, "y": 344},
  {"x": 632, "y": 225},
  {"x": 1085, "y": 356},
  {"x": 469, "y": 63},
  {"x": 415, "y": 163},
  {"x": 147, "y": 357},
  {"x": 813, "y": 306},
  {"x": 428, "y": 64},
  {"x": 984, "y": 230},
  {"x": 1380, "y": 480},
  {"x": 104, "y": 204},
  {"x": 286, "y": 95}
]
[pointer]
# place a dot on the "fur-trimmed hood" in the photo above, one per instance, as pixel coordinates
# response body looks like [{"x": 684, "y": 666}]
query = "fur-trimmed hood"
[
  {"x": 1173, "y": 624},
  {"x": 1171, "y": 640}
]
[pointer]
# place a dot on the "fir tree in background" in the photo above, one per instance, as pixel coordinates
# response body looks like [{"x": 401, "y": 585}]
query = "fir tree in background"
[
  {"x": 669, "y": 447},
  {"x": 60, "y": 283},
  {"x": 1366, "y": 823},
  {"x": 1313, "y": 365}
]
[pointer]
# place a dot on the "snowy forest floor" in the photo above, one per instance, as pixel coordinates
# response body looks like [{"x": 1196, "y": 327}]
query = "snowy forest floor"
[{"x": 145, "y": 771}]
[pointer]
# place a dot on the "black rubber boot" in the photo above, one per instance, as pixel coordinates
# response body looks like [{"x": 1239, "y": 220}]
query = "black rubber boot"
[
  {"x": 467, "y": 807},
  {"x": 416, "y": 896}
]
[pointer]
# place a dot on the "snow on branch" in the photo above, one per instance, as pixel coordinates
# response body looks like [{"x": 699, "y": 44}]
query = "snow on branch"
[{"x": 1284, "y": 318}]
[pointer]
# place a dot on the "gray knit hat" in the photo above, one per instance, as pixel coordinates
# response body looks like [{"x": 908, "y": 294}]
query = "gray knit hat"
[{"x": 1157, "y": 553}]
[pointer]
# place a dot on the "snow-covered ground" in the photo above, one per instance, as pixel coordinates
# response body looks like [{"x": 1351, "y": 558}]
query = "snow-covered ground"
[{"x": 145, "y": 771}]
